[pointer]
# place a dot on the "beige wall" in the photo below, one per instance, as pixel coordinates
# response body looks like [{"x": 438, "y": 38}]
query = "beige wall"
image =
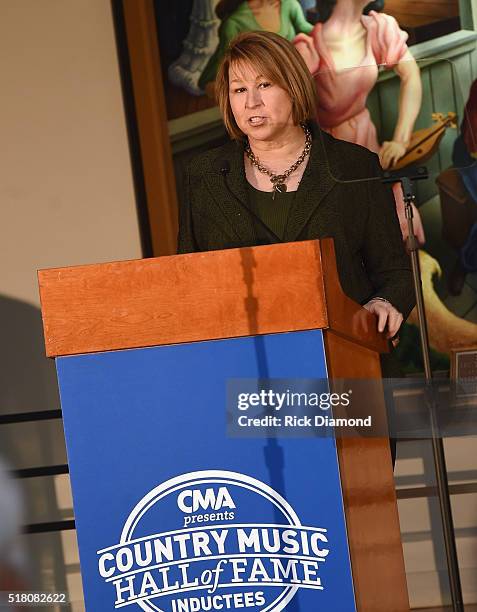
[
  {"x": 66, "y": 197},
  {"x": 66, "y": 189}
]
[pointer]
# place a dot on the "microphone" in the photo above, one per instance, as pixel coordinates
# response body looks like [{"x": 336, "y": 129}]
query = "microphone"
[{"x": 223, "y": 167}]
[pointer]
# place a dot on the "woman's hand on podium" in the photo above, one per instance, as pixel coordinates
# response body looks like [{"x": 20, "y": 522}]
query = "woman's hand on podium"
[{"x": 387, "y": 315}]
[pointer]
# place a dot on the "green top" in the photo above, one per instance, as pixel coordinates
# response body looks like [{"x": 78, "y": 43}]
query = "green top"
[
  {"x": 272, "y": 212},
  {"x": 292, "y": 21}
]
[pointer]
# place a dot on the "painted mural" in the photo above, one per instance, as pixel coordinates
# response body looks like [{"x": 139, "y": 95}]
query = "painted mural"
[
  {"x": 347, "y": 44},
  {"x": 194, "y": 33}
]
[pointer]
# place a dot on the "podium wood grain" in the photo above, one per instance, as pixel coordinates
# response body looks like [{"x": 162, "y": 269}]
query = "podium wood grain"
[{"x": 182, "y": 298}]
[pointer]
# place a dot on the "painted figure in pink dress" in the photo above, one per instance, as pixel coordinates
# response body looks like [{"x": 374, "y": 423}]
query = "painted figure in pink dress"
[{"x": 343, "y": 53}]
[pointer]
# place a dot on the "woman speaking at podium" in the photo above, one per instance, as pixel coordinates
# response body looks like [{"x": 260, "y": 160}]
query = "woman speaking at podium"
[{"x": 282, "y": 179}]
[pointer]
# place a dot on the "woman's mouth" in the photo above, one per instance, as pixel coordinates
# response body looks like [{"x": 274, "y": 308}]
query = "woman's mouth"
[{"x": 256, "y": 120}]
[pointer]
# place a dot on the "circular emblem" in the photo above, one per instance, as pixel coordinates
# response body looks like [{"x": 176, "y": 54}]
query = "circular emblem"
[{"x": 213, "y": 540}]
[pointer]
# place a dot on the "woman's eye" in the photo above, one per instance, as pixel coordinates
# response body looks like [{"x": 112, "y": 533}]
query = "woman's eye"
[
  {"x": 239, "y": 89},
  {"x": 265, "y": 84}
]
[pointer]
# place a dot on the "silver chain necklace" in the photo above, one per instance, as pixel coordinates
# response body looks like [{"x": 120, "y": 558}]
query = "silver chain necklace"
[{"x": 278, "y": 180}]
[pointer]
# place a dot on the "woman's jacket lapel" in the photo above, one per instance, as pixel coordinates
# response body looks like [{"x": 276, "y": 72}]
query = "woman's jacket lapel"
[{"x": 227, "y": 183}]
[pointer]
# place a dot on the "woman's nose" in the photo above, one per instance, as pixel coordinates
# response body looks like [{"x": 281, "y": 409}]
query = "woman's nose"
[{"x": 253, "y": 98}]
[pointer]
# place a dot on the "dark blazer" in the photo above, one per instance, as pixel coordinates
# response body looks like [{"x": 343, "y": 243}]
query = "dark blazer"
[{"x": 360, "y": 215}]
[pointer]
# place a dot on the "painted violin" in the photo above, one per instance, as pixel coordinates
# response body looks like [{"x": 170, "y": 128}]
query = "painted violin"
[{"x": 424, "y": 143}]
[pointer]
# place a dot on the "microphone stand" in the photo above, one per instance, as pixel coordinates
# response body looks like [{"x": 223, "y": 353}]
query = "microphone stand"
[{"x": 406, "y": 181}]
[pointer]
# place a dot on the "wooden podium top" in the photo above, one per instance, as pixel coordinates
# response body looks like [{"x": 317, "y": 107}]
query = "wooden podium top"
[{"x": 199, "y": 296}]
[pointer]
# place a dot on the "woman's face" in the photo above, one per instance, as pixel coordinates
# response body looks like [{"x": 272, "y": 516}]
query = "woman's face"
[{"x": 262, "y": 110}]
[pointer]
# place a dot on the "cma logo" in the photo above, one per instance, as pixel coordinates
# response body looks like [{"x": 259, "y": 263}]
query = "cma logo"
[{"x": 191, "y": 500}]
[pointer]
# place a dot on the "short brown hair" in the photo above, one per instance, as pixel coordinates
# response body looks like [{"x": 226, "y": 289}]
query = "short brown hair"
[{"x": 278, "y": 60}]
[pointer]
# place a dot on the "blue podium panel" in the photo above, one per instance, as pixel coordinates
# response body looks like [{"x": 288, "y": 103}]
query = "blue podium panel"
[{"x": 172, "y": 515}]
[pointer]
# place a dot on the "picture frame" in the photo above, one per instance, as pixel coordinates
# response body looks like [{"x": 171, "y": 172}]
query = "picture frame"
[{"x": 463, "y": 371}]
